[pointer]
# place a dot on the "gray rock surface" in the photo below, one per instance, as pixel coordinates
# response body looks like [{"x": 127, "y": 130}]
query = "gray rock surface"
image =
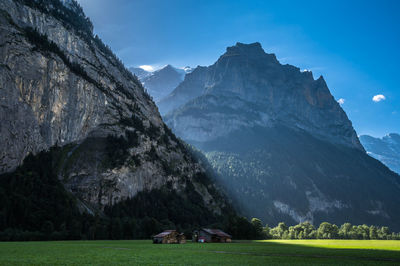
[{"x": 43, "y": 103}]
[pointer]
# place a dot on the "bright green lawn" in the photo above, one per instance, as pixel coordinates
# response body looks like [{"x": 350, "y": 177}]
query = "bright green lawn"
[
  {"x": 289, "y": 252},
  {"x": 338, "y": 244}
]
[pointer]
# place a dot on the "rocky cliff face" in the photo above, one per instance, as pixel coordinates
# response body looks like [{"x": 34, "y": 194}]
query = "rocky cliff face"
[
  {"x": 252, "y": 82},
  {"x": 386, "y": 149},
  {"x": 284, "y": 148},
  {"x": 61, "y": 86}
]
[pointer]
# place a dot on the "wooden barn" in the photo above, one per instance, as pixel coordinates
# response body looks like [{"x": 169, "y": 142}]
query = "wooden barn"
[
  {"x": 211, "y": 235},
  {"x": 169, "y": 237}
]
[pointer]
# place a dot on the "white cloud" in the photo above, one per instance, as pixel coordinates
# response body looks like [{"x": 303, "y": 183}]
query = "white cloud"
[
  {"x": 378, "y": 98},
  {"x": 341, "y": 101},
  {"x": 147, "y": 68}
]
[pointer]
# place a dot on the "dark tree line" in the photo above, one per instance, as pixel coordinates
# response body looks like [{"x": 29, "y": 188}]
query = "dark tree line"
[{"x": 327, "y": 230}]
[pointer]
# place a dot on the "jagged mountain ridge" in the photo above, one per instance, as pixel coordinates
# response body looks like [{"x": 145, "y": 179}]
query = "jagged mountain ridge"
[
  {"x": 161, "y": 82},
  {"x": 385, "y": 149},
  {"x": 61, "y": 86},
  {"x": 284, "y": 148}
]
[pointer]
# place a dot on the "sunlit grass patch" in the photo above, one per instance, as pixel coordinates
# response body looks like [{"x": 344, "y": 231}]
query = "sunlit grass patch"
[{"x": 343, "y": 244}]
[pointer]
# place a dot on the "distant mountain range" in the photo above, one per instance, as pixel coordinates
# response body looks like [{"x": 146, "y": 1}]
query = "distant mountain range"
[
  {"x": 386, "y": 149},
  {"x": 160, "y": 83},
  {"x": 282, "y": 146}
]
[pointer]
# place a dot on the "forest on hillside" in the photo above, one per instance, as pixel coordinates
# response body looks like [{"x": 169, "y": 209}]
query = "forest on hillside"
[{"x": 34, "y": 205}]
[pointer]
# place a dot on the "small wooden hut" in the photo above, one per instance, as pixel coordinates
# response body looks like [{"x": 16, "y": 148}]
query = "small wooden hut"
[
  {"x": 211, "y": 236},
  {"x": 181, "y": 238},
  {"x": 169, "y": 237}
]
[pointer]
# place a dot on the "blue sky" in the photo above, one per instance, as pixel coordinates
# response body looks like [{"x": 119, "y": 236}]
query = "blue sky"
[{"x": 355, "y": 46}]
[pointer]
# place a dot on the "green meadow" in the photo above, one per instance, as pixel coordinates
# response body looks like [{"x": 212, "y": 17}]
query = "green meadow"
[{"x": 143, "y": 252}]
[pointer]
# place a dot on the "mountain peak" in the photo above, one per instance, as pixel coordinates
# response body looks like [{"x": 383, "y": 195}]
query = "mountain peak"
[
  {"x": 168, "y": 67},
  {"x": 282, "y": 92},
  {"x": 322, "y": 81},
  {"x": 252, "y": 50},
  {"x": 242, "y": 48},
  {"x": 162, "y": 81},
  {"x": 254, "y": 44}
]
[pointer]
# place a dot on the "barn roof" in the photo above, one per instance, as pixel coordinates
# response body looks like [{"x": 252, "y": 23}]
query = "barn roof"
[
  {"x": 217, "y": 232},
  {"x": 165, "y": 233}
]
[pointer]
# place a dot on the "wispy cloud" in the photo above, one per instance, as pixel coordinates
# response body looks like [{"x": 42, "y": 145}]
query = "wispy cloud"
[
  {"x": 341, "y": 101},
  {"x": 147, "y": 68},
  {"x": 378, "y": 98}
]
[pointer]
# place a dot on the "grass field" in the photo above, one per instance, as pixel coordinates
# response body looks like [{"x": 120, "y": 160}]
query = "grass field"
[{"x": 279, "y": 252}]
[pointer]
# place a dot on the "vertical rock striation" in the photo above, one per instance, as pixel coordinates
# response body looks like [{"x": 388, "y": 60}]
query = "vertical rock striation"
[{"x": 61, "y": 86}]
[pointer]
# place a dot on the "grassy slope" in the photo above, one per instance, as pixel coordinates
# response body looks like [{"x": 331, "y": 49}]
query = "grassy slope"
[{"x": 343, "y": 252}]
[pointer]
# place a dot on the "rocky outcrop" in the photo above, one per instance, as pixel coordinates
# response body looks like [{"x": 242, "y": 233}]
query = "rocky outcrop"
[
  {"x": 283, "y": 147},
  {"x": 385, "y": 149},
  {"x": 61, "y": 86}
]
